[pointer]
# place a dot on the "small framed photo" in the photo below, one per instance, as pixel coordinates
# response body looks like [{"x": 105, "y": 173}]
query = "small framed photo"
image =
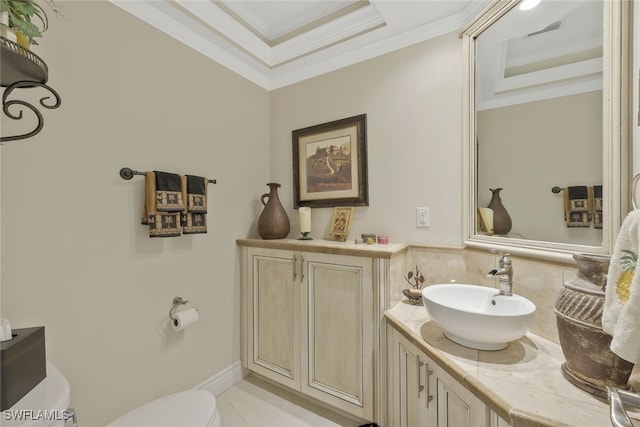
[
  {"x": 485, "y": 221},
  {"x": 341, "y": 222},
  {"x": 330, "y": 164}
]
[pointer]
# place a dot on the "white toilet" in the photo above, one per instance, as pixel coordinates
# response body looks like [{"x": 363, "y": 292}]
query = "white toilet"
[
  {"x": 191, "y": 408},
  {"x": 50, "y": 394}
]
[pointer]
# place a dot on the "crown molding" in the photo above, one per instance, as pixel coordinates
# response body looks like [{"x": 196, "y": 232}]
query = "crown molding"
[{"x": 355, "y": 37}]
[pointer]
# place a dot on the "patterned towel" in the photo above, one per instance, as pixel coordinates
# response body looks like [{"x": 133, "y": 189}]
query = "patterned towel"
[
  {"x": 597, "y": 206},
  {"x": 162, "y": 206},
  {"x": 621, "y": 311},
  {"x": 194, "y": 217},
  {"x": 577, "y": 206},
  {"x": 168, "y": 192}
]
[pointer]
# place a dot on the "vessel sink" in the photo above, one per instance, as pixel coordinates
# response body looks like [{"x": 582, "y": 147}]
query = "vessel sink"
[{"x": 477, "y": 316}]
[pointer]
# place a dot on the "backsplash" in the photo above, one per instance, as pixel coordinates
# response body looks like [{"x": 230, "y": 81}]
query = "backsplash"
[{"x": 539, "y": 281}]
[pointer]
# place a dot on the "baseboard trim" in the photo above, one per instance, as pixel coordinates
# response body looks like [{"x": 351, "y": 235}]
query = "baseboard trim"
[
  {"x": 338, "y": 416},
  {"x": 224, "y": 379}
]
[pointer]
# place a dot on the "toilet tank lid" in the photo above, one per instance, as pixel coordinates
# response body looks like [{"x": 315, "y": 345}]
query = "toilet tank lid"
[
  {"x": 191, "y": 408},
  {"x": 52, "y": 393}
]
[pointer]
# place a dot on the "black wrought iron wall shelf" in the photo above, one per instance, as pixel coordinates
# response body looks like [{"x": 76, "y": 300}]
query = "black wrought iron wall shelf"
[{"x": 22, "y": 69}]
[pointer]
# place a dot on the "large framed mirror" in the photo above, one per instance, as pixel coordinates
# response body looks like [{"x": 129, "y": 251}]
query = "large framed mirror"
[{"x": 546, "y": 121}]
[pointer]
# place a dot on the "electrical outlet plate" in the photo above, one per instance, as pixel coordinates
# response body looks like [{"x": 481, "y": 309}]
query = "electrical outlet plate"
[{"x": 422, "y": 217}]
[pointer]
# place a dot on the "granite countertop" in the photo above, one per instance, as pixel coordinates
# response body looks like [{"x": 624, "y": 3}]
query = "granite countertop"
[{"x": 522, "y": 383}]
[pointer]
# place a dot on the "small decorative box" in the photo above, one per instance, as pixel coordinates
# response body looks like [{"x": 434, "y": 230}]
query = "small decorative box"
[{"x": 369, "y": 239}]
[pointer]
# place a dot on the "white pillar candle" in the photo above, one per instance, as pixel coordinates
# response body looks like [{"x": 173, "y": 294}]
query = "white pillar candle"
[{"x": 304, "y": 218}]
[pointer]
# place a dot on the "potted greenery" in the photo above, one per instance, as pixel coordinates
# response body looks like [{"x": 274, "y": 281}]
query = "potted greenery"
[{"x": 27, "y": 18}]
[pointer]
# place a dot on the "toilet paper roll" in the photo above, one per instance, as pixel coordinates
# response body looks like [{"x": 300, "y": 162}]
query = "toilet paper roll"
[{"x": 184, "y": 318}]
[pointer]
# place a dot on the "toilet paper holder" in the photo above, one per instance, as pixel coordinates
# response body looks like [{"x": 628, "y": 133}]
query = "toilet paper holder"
[{"x": 177, "y": 302}]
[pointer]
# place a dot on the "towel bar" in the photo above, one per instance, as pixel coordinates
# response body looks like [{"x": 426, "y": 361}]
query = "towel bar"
[
  {"x": 556, "y": 189},
  {"x": 128, "y": 173},
  {"x": 634, "y": 187},
  {"x": 617, "y": 400}
]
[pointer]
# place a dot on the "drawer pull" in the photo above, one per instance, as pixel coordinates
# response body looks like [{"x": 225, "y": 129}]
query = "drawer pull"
[
  {"x": 420, "y": 364},
  {"x": 295, "y": 263},
  {"x": 427, "y": 373}
]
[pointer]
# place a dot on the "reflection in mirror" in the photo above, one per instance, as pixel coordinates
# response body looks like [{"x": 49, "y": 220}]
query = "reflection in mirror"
[
  {"x": 539, "y": 118},
  {"x": 544, "y": 89}
]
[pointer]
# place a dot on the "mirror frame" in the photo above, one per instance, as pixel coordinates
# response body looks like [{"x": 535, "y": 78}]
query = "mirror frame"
[{"x": 614, "y": 136}]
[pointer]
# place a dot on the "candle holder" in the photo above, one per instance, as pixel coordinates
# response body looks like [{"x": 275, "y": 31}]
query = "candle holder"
[{"x": 305, "y": 236}]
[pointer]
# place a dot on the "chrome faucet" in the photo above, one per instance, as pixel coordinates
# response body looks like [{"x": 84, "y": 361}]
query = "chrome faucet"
[{"x": 504, "y": 273}]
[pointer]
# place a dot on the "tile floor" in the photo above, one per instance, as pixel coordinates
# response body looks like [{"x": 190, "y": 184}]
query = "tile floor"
[{"x": 252, "y": 402}]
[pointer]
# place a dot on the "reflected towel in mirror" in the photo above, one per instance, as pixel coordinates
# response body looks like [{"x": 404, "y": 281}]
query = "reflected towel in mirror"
[
  {"x": 577, "y": 206},
  {"x": 597, "y": 206}
]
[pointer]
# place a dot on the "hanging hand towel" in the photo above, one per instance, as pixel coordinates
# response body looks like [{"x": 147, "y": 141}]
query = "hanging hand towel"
[
  {"x": 149, "y": 202},
  {"x": 195, "y": 214},
  {"x": 597, "y": 206},
  {"x": 168, "y": 192},
  {"x": 621, "y": 312},
  {"x": 161, "y": 224},
  {"x": 577, "y": 206}
]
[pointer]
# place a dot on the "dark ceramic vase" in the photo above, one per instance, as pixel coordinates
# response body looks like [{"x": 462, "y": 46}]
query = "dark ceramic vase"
[
  {"x": 501, "y": 218},
  {"x": 589, "y": 363},
  {"x": 273, "y": 222}
]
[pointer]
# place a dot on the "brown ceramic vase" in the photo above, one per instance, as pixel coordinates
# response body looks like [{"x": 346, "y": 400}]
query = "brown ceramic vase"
[
  {"x": 501, "y": 218},
  {"x": 589, "y": 363},
  {"x": 273, "y": 222}
]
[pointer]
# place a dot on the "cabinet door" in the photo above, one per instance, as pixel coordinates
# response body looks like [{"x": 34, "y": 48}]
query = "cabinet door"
[
  {"x": 496, "y": 421},
  {"x": 414, "y": 397},
  {"x": 457, "y": 406},
  {"x": 337, "y": 332},
  {"x": 273, "y": 319},
  {"x": 410, "y": 398}
]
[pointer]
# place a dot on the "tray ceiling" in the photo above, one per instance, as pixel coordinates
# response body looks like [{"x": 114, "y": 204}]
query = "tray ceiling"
[{"x": 276, "y": 43}]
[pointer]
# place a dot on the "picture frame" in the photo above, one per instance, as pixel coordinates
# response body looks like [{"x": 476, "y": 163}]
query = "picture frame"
[
  {"x": 341, "y": 222},
  {"x": 485, "y": 221},
  {"x": 330, "y": 164}
]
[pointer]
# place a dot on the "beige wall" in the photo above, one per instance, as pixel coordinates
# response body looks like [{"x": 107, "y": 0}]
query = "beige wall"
[
  {"x": 75, "y": 257},
  {"x": 413, "y": 102}
]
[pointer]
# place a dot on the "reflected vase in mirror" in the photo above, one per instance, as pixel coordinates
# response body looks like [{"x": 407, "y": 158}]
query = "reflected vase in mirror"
[
  {"x": 501, "y": 218},
  {"x": 273, "y": 222},
  {"x": 589, "y": 363}
]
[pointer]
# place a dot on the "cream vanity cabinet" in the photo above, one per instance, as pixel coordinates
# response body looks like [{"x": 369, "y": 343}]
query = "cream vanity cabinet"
[
  {"x": 312, "y": 323},
  {"x": 422, "y": 394}
]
